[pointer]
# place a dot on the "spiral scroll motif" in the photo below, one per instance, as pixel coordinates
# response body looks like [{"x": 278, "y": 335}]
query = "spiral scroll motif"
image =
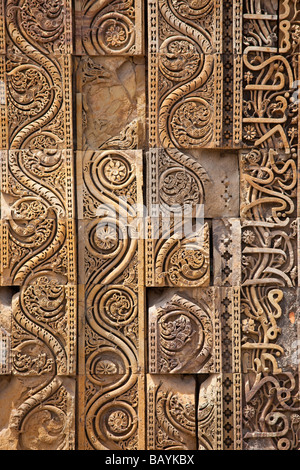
[
  {"x": 110, "y": 27},
  {"x": 112, "y": 300},
  {"x": 271, "y": 412},
  {"x": 37, "y": 234},
  {"x": 34, "y": 88},
  {"x": 111, "y": 414}
]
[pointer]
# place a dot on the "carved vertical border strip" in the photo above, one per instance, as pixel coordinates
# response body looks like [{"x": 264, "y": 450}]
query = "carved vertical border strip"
[
  {"x": 69, "y": 31},
  {"x": 218, "y": 17},
  {"x": 2, "y": 28},
  {"x": 237, "y": 99},
  {"x": 238, "y": 72},
  {"x": 236, "y": 332},
  {"x": 219, "y": 416},
  {"x": 5, "y": 349},
  {"x": 218, "y": 73},
  {"x": 231, "y": 368},
  {"x": 218, "y": 105},
  {"x": 270, "y": 379},
  {"x": 112, "y": 363},
  {"x": 38, "y": 231},
  {"x": 68, "y": 98},
  {"x": 237, "y": 420},
  {"x": 153, "y": 71}
]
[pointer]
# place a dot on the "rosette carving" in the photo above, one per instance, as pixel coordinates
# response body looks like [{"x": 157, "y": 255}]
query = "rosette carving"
[{"x": 112, "y": 27}]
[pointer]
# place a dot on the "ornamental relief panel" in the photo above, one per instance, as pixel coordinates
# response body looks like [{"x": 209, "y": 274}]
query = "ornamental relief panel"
[
  {"x": 184, "y": 62},
  {"x": 149, "y": 225},
  {"x": 37, "y": 75},
  {"x": 38, "y": 232},
  {"x": 109, "y": 27},
  {"x": 112, "y": 293},
  {"x": 171, "y": 413},
  {"x": 184, "y": 337},
  {"x": 269, "y": 214}
]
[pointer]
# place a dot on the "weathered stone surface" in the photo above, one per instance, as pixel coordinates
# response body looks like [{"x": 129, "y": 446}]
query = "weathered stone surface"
[
  {"x": 200, "y": 177},
  {"x": 222, "y": 184}
]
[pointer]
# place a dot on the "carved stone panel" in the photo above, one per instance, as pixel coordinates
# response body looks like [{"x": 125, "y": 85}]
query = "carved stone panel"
[
  {"x": 269, "y": 211},
  {"x": 185, "y": 74},
  {"x": 37, "y": 413},
  {"x": 179, "y": 261},
  {"x": 44, "y": 328},
  {"x": 189, "y": 76},
  {"x": 113, "y": 413},
  {"x": 184, "y": 335},
  {"x": 270, "y": 371},
  {"x": 38, "y": 95},
  {"x": 38, "y": 264},
  {"x": 37, "y": 183},
  {"x": 171, "y": 414},
  {"x": 30, "y": 247},
  {"x": 116, "y": 119},
  {"x": 177, "y": 236},
  {"x": 111, "y": 358},
  {"x": 110, "y": 203},
  {"x": 109, "y": 27}
]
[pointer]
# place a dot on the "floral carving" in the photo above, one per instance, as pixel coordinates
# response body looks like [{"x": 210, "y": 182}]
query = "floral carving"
[
  {"x": 183, "y": 337},
  {"x": 110, "y": 28}
]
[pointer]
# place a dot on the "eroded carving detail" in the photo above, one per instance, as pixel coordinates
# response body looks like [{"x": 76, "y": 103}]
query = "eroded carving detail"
[
  {"x": 184, "y": 336},
  {"x": 271, "y": 410}
]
